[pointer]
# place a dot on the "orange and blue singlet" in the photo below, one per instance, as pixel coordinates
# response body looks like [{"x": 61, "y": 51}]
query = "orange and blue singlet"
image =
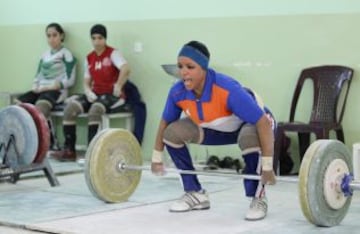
[{"x": 224, "y": 105}]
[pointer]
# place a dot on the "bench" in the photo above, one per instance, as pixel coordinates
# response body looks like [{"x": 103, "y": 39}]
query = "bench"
[
  {"x": 105, "y": 120},
  {"x": 105, "y": 123}
]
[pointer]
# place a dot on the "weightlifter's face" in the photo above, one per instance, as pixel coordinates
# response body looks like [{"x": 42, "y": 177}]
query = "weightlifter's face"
[{"x": 192, "y": 74}]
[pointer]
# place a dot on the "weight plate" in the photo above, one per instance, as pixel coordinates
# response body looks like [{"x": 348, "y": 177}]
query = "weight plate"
[
  {"x": 334, "y": 174},
  {"x": 16, "y": 122},
  {"x": 312, "y": 176},
  {"x": 42, "y": 129},
  {"x": 87, "y": 162},
  {"x": 107, "y": 150}
]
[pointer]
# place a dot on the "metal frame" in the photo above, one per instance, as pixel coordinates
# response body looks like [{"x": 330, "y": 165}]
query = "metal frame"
[{"x": 10, "y": 168}]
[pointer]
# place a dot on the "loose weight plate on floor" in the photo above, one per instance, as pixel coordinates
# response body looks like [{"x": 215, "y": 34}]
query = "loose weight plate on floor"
[
  {"x": 109, "y": 149},
  {"x": 322, "y": 204},
  {"x": 42, "y": 129},
  {"x": 17, "y": 122}
]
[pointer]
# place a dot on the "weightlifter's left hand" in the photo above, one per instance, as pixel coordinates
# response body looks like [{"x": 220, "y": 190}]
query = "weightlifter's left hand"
[{"x": 267, "y": 172}]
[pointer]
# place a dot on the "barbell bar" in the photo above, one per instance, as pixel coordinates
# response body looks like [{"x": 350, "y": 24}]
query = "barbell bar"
[
  {"x": 123, "y": 166},
  {"x": 352, "y": 185},
  {"x": 113, "y": 166}
]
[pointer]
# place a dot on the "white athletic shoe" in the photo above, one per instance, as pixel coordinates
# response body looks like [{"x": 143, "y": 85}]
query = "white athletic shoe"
[
  {"x": 257, "y": 210},
  {"x": 191, "y": 201}
]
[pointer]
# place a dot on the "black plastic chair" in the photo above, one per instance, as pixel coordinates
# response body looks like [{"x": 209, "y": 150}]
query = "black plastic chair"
[{"x": 329, "y": 83}]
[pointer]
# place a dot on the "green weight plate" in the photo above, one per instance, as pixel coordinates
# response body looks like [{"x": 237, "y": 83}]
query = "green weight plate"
[{"x": 319, "y": 157}]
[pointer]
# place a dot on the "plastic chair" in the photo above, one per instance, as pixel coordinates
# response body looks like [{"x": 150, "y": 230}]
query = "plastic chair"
[{"x": 329, "y": 83}]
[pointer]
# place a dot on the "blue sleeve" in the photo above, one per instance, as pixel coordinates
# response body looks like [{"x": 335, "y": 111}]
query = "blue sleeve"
[
  {"x": 243, "y": 105},
  {"x": 171, "y": 111}
]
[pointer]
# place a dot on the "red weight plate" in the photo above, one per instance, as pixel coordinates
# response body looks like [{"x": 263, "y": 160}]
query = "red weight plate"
[{"x": 43, "y": 131}]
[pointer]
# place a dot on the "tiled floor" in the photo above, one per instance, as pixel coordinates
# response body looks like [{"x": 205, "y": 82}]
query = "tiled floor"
[{"x": 32, "y": 204}]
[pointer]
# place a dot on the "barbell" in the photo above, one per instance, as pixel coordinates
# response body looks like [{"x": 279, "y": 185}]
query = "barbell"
[{"x": 113, "y": 166}]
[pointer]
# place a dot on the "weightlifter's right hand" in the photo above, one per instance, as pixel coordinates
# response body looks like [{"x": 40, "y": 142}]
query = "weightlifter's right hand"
[{"x": 157, "y": 165}]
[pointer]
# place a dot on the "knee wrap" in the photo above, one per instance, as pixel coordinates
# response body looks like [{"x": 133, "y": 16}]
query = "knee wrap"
[
  {"x": 45, "y": 107},
  {"x": 71, "y": 111},
  {"x": 96, "y": 111},
  {"x": 180, "y": 132},
  {"x": 248, "y": 139}
]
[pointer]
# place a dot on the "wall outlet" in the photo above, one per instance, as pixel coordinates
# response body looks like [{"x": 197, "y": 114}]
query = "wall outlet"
[{"x": 138, "y": 47}]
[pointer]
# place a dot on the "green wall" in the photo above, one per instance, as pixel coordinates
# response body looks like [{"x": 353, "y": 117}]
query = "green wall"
[
  {"x": 42, "y": 11},
  {"x": 264, "y": 48}
]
